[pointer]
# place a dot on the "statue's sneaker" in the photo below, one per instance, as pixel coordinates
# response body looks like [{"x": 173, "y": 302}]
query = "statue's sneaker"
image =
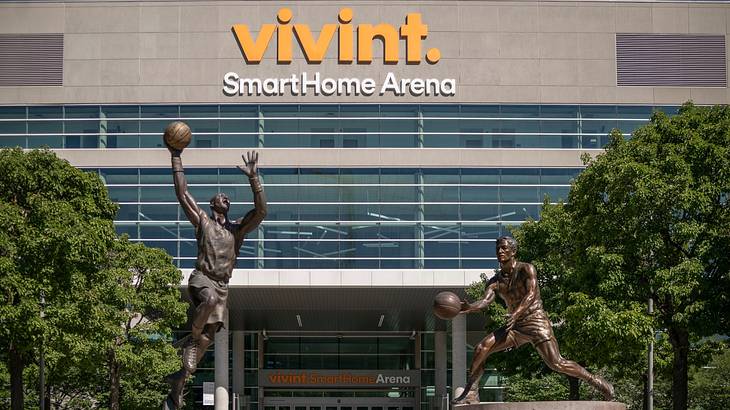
[
  {"x": 190, "y": 356},
  {"x": 174, "y": 399},
  {"x": 471, "y": 396}
]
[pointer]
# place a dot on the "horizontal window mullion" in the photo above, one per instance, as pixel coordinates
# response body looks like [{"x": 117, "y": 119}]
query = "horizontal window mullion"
[
  {"x": 566, "y": 119},
  {"x": 342, "y": 222},
  {"x": 374, "y": 258},
  {"x": 455, "y": 185},
  {"x": 307, "y": 133}
]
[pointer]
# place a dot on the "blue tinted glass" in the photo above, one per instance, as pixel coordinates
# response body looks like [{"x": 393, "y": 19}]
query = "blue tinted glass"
[
  {"x": 637, "y": 112},
  {"x": 127, "y": 212},
  {"x": 238, "y": 126},
  {"x": 558, "y": 175},
  {"x": 281, "y": 126},
  {"x": 119, "y": 175},
  {"x": 520, "y": 176},
  {"x": 480, "y": 176},
  {"x": 120, "y": 111},
  {"x": 13, "y": 127},
  {"x": 399, "y": 126},
  {"x": 38, "y": 124},
  {"x": 155, "y": 176},
  {"x": 559, "y": 111},
  {"x": 127, "y": 229},
  {"x": 123, "y": 194},
  {"x": 158, "y": 231},
  {"x": 479, "y": 194},
  {"x": 519, "y": 194},
  {"x": 45, "y": 112},
  {"x": 556, "y": 194},
  {"x": 158, "y": 213},
  {"x": 479, "y": 212},
  {"x": 82, "y": 111},
  {"x": 168, "y": 246},
  {"x": 360, "y": 126},
  {"x": 520, "y": 212}
]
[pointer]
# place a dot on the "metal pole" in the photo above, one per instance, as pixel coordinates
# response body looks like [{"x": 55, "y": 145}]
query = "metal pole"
[
  {"x": 650, "y": 377},
  {"x": 42, "y": 363}
]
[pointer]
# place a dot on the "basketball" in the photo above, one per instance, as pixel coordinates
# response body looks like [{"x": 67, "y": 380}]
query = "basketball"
[
  {"x": 446, "y": 305},
  {"x": 177, "y": 135}
]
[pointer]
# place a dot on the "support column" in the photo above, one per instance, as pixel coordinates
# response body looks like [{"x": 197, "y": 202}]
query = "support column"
[
  {"x": 221, "y": 367},
  {"x": 440, "y": 359},
  {"x": 458, "y": 353},
  {"x": 417, "y": 366},
  {"x": 239, "y": 363}
]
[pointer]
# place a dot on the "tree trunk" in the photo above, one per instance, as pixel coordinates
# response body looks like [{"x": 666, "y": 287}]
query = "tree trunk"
[
  {"x": 574, "y": 383},
  {"x": 679, "y": 338},
  {"x": 645, "y": 399},
  {"x": 16, "y": 366},
  {"x": 113, "y": 381}
]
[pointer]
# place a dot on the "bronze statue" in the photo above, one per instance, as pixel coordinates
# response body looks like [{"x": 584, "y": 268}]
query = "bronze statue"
[
  {"x": 219, "y": 241},
  {"x": 516, "y": 284}
]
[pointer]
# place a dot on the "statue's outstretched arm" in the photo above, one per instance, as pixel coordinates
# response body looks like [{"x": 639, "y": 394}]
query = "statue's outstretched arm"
[
  {"x": 254, "y": 217},
  {"x": 489, "y": 295},
  {"x": 187, "y": 202}
]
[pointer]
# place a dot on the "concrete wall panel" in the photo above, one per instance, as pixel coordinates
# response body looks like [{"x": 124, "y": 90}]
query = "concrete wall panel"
[
  {"x": 32, "y": 19},
  {"x": 499, "y": 51}
]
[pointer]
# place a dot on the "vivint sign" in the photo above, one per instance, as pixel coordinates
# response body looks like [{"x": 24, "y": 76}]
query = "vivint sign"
[{"x": 314, "y": 48}]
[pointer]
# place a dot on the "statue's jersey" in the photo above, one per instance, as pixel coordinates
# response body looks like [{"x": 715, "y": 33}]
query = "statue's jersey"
[
  {"x": 513, "y": 289},
  {"x": 218, "y": 248}
]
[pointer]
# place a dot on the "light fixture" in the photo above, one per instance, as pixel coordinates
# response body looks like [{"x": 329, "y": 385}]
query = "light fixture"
[
  {"x": 380, "y": 322},
  {"x": 299, "y": 320},
  {"x": 264, "y": 335},
  {"x": 413, "y": 335}
]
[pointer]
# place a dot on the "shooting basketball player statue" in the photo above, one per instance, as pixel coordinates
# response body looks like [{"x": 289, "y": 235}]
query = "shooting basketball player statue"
[
  {"x": 219, "y": 240},
  {"x": 516, "y": 284}
]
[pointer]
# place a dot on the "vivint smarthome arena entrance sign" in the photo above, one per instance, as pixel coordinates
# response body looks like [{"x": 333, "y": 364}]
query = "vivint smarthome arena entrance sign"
[
  {"x": 339, "y": 378},
  {"x": 354, "y": 45}
]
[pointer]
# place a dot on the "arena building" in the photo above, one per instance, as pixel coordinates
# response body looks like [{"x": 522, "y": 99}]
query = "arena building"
[{"x": 397, "y": 141}]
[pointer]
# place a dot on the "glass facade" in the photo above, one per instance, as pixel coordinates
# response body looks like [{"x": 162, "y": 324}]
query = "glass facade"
[
  {"x": 322, "y": 126},
  {"x": 336, "y": 218},
  {"x": 345, "y": 218}
]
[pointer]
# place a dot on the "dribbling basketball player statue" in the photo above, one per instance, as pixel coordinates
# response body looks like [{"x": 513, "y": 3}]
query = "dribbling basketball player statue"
[
  {"x": 516, "y": 284},
  {"x": 219, "y": 241}
]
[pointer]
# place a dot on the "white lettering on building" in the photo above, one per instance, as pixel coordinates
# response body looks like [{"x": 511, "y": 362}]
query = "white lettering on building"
[{"x": 306, "y": 84}]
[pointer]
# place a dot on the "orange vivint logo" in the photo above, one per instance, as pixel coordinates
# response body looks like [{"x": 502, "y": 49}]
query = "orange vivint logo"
[{"x": 413, "y": 31}]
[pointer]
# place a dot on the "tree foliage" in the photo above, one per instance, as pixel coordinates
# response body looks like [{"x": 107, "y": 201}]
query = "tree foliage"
[
  {"x": 143, "y": 298},
  {"x": 110, "y": 304},
  {"x": 648, "y": 218},
  {"x": 55, "y": 229}
]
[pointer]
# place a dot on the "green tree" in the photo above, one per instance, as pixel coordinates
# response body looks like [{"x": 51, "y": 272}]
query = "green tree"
[
  {"x": 111, "y": 304},
  {"x": 55, "y": 230},
  {"x": 710, "y": 384},
  {"x": 145, "y": 306},
  {"x": 648, "y": 218}
]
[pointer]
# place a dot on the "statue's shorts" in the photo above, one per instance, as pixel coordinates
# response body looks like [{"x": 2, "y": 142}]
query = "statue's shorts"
[
  {"x": 199, "y": 281},
  {"x": 534, "y": 327}
]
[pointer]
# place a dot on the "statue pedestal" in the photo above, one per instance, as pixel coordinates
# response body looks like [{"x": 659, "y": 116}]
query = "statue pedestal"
[{"x": 545, "y": 405}]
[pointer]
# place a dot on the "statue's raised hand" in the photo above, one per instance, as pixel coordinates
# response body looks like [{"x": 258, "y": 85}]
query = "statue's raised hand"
[{"x": 249, "y": 163}]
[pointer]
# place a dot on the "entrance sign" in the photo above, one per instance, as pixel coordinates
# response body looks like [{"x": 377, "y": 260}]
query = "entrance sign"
[{"x": 339, "y": 378}]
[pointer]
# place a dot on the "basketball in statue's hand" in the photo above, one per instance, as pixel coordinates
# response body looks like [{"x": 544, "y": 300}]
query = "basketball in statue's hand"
[
  {"x": 177, "y": 135},
  {"x": 446, "y": 305}
]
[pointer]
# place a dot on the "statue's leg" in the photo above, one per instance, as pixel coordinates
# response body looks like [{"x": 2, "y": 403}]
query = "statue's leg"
[
  {"x": 550, "y": 353},
  {"x": 207, "y": 300},
  {"x": 176, "y": 381},
  {"x": 494, "y": 342}
]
